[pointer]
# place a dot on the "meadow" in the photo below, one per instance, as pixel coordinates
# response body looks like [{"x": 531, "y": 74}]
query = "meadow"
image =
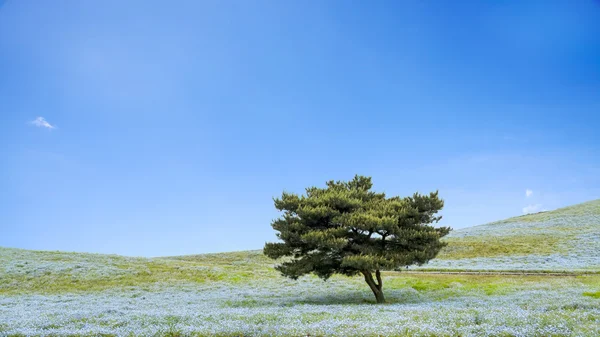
[
  {"x": 240, "y": 294},
  {"x": 564, "y": 240}
]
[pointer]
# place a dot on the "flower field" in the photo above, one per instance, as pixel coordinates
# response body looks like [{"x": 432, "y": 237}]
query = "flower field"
[
  {"x": 545, "y": 308},
  {"x": 567, "y": 239},
  {"x": 239, "y": 293}
]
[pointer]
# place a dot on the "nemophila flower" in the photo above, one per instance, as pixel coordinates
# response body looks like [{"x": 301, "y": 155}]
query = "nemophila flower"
[
  {"x": 193, "y": 298},
  {"x": 573, "y": 250},
  {"x": 330, "y": 310}
]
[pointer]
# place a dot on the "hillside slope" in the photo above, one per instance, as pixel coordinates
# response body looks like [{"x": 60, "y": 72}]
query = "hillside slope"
[
  {"x": 240, "y": 294},
  {"x": 27, "y": 271},
  {"x": 565, "y": 239}
]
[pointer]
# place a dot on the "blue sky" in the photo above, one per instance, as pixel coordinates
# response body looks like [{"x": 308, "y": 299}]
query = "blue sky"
[{"x": 167, "y": 128}]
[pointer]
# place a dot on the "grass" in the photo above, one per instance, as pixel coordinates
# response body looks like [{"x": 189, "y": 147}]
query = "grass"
[
  {"x": 240, "y": 294},
  {"x": 54, "y": 272},
  {"x": 227, "y": 268},
  {"x": 579, "y": 210},
  {"x": 427, "y": 305},
  {"x": 490, "y": 246},
  {"x": 562, "y": 240},
  {"x": 233, "y": 294}
]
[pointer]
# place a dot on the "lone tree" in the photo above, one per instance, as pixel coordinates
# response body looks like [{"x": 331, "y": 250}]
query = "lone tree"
[{"x": 348, "y": 229}]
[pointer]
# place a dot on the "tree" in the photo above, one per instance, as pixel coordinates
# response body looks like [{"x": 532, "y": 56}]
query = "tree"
[{"x": 348, "y": 229}]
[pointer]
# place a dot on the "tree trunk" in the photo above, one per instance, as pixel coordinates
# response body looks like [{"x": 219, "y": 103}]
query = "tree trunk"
[
  {"x": 379, "y": 297},
  {"x": 376, "y": 287}
]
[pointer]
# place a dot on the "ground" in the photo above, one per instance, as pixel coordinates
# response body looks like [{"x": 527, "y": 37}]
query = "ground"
[
  {"x": 566, "y": 239},
  {"x": 233, "y": 294}
]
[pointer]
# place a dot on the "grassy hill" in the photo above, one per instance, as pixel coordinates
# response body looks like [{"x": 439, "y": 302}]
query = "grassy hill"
[
  {"x": 27, "y": 271},
  {"x": 567, "y": 239},
  {"x": 232, "y": 294},
  {"x": 239, "y": 294}
]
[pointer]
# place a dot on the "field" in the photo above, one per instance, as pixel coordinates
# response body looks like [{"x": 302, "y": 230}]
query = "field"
[
  {"x": 567, "y": 239},
  {"x": 234, "y": 294}
]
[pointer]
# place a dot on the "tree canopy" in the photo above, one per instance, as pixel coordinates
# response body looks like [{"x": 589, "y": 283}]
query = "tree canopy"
[{"x": 346, "y": 228}]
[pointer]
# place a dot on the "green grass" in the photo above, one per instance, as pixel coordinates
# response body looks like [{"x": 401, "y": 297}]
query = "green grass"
[
  {"x": 484, "y": 284},
  {"x": 586, "y": 208},
  {"x": 241, "y": 289},
  {"x": 595, "y": 294},
  {"x": 227, "y": 268},
  {"x": 491, "y": 246},
  {"x": 25, "y": 271},
  {"x": 236, "y": 267},
  {"x": 565, "y": 239}
]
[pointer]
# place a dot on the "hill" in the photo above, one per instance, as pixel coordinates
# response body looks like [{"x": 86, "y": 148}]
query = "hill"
[
  {"x": 239, "y": 294},
  {"x": 46, "y": 293},
  {"x": 566, "y": 239},
  {"x": 26, "y": 271}
]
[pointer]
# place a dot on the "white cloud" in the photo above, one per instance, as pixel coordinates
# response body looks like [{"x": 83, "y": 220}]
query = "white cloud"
[
  {"x": 533, "y": 209},
  {"x": 42, "y": 123},
  {"x": 528, "y": 192}
]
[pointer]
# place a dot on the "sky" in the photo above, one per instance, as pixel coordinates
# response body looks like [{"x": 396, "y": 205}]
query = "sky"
[{"x": 155, "y": 128}]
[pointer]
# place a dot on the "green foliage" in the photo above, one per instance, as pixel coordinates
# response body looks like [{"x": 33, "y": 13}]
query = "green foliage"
[{"x": 346, "y": 228}]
